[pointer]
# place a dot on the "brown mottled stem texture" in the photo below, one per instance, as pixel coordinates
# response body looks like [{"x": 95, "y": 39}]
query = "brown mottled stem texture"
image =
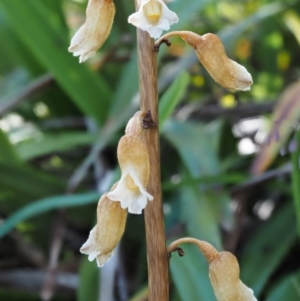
[{"x": 158, "y": 269}]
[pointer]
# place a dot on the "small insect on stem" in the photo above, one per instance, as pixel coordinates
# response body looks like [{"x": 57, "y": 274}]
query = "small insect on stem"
[
  {"x": 163, "y": 41},
  {"x": 147, "y": 122}
]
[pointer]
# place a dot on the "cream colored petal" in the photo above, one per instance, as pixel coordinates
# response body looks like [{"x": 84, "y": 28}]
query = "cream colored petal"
[
  {"x": 155, "y": 32},
  {"x": 139, "y": 20},
  {"x": 139, "y": 184},
  {"x": 83, "y": 55},
  {"x": 122, "y": 193},
  {"x": 133, "y": 199},
  {"x": 90, "y": 246},
  {"x": 137, "y": 206},
  {"x": 77, "y": 39},
  {"x": 243, "y": 77},
  {"x": 168, "y": 14},
  {"x": 102, "y": 259}
]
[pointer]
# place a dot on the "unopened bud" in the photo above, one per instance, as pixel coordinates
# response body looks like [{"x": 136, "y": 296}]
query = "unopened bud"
[
  {"x": 93, "y": 33},
  {"x": 105, "y": 236},
  {"x": 212, "y": 55}
]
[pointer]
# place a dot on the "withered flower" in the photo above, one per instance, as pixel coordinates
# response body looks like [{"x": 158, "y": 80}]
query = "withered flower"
[
  {"x": 93, "y": 33},
  {"x": 211, "y": 53},
  {"x": 153, "y": 16},
  {"x": 105, "y": 236},
  {"x": 134, "y": 162}
]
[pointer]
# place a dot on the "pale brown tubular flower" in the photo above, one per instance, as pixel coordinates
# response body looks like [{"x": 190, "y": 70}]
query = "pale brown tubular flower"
[
  {"x": 224, "y": 274},
  {"x": 93, "y": 33},
  {"x": 224, "y": 271},
  {"x": 211, "y": 53},
  {"x": 105, "y": 236},
  {"x": 134, "y": 162}
]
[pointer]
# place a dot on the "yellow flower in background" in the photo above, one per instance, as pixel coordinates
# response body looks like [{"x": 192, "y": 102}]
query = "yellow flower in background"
[
  {"x": 93, "y": 33},
  {"x": 153, "y": 16}
]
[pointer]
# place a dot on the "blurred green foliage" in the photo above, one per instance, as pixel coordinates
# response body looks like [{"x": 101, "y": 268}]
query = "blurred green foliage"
[{"x": 61, "y": 122}]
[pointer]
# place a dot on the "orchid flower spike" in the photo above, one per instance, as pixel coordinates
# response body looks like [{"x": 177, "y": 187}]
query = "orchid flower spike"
[
  {"x": 93, "y": 33},
  {"x": 153, "y": 16},
  {"x": 105, "y": 236},
  {"x": 134, "y": 162},
  {"x": 211, "y": 53}
]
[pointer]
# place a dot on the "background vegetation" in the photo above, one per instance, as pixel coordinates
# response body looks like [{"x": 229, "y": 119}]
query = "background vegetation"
[{"x": 230, "y": 161}]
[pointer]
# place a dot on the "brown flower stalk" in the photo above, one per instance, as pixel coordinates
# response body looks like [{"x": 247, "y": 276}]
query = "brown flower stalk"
[{"x": 158, "y": 271}]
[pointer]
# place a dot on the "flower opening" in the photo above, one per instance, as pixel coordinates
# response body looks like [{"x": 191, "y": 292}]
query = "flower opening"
[
  {"x": 130, "y": 192},
  {"x": 153, "y": 16},
  {"x": 152, "y": 11}
]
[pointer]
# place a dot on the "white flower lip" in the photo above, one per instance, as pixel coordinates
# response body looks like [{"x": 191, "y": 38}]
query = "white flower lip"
[
  {"x": 154, "y": 28},
  {"x": 133, "y": 199}
]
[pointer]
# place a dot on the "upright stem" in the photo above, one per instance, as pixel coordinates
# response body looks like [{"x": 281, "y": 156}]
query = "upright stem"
[{"x": 158, "y": 269}]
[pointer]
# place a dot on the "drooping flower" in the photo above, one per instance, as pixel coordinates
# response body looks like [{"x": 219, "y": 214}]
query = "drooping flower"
[
  {"x": 224, "y": 271},
  {"x": 211, "y": 53},
  {"x": 134, "y": 162},
  {"x": 93, "y": 33},
  {"x": 153, "y": 16},
  {"x": 105, "y": 236},
  {"x": 224, "y": 274}
]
